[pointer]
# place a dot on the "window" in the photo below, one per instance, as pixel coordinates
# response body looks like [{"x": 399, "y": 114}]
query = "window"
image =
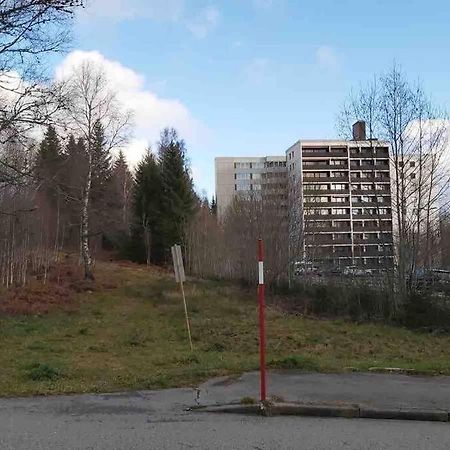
[
  {"x": 242, "y": 176},
  {"x": 255, "y": 187},
  {"x": 412, "y": 164},
  {"x": 318, "y": 199},
  {"x": 339, "y": 199},
  {"x": 413, "y": 176},
  {"x": 242, "y": 187},
  {"x": 338, "y": 162},
  {"x": 258, "y": 165},
  {"x": 256, "y": 176},
  {"x": 339, "y": 211},
  {"x": 242, "y": 165},
  {"x": 338, "y": 187},
  {"x": 338, "y": 174},
  {"x": 315, "y": 187}
]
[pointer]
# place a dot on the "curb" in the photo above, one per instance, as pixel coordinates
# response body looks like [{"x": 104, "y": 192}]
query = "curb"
[{"x": 348, "y": 412}]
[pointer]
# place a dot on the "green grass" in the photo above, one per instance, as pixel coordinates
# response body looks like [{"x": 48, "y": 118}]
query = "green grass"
[{"x": 134, "y": 337}]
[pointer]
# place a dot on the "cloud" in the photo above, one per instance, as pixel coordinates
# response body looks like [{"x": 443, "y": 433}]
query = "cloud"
[
  {"x": 256, "y": 70},
  {"x": 200, "y": 23},
  {"x": 151, "y": 112},
  {"x": 205, "y": 22},
  {"x": 326, "y": 58}
]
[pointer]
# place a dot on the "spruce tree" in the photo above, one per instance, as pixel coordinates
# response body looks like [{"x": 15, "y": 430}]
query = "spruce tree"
[
  {"x": 48, "y": 165},
  {"x": 146, "y": 240},
  {"x": 213, "y": 206},
  {"x": 178, "y": 198},
  {"x": 101, "y": 160}
]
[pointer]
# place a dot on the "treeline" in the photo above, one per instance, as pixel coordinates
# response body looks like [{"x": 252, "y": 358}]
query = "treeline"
[{"x": 139, "y": 217}]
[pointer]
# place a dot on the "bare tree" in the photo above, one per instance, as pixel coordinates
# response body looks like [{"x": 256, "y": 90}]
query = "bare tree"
[
  {"x": 92, "y": 102},
  {"x": 399, "y": 112}
]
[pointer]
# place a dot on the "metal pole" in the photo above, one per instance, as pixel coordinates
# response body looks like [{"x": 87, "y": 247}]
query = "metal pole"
[
  {"x": 262, "y": 329},
  {"x": 186, "y": 315}
]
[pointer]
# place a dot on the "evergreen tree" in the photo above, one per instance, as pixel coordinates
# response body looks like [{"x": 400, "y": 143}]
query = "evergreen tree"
[
  {"x": 101, "y": 160},
  {"x": 178, "y": 198},
  {"x": 48, "y": 166},
  {"x": 50, "y": 148},
  {"x": 213, "y": 206},
  {"x": 146, "y": 242}
]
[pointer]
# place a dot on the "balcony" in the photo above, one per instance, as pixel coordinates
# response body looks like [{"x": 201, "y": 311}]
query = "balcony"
[
  {"x": 314, "y": 230},
  {"x": 325, "y": 180},
  {"x": 371, "y": 216},
  {"x": 371, "y": 180},
  {"x": 372, "y": 228},
  {"x": 326, "y": 204},
  {"x": 369, "y": 167},
  {"x": 324, "y": 167},
  {"x": 371, "y": 204},
  {"x": 320, "y": 193},
  {"x": 317, "y": 217},
  {"x": 324, "y": 153},
  {"x": 371, "y": 192},
  {"x": 370, "y": 152}
]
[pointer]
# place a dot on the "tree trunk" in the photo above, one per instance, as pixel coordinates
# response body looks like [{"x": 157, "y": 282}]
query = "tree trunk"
[{"x": 85, "y": 250}]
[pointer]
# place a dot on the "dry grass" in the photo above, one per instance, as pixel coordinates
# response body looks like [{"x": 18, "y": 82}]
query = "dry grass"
[{"x": 127, "y": 331}]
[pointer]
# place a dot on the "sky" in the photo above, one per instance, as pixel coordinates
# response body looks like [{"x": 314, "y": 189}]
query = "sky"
[{"x": 251, "y": 77}]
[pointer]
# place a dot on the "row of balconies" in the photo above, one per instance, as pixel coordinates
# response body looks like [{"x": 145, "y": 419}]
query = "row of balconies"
[
  {"x": 327, "y": 166},
  {"x": 328, "y": 179},
  {"x": 311, "y": 152}
]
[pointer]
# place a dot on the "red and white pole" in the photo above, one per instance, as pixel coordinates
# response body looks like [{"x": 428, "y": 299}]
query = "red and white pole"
[{"x": 262, "y": 326}]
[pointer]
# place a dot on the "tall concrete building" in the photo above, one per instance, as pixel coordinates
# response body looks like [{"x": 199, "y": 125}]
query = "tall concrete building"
[
  {"x": 243, "y": 175},
  {"x": 338, "y": 198}
]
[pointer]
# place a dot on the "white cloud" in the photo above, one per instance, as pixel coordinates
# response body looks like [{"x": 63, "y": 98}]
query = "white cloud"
[
  {"x": 326, "y": 58},
  {"x": 204, "y": 22},
  {"x": 200, "y": 22},
  {"x": 151, "y": 112},
  {"x": 256, "y": 70}
]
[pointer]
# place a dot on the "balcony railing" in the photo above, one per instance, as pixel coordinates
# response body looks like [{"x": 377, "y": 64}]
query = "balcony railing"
[
  {"x": 325, "y": 180},
  {"x": 369, "y": 167},
  {"x": 326, "y": 204},
  {"x": 324, "y": 153},
  {"x": 320, "y": 193}
]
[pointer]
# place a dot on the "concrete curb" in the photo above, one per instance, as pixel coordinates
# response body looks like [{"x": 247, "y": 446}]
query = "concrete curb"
[{"x": 311, "y": 410}]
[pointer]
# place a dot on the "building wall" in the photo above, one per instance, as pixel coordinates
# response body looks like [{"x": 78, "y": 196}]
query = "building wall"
[
  {"x": 345, "y": 217},
  {"x": 336, "y": 194},
  {"x": 244, "y": 175}
]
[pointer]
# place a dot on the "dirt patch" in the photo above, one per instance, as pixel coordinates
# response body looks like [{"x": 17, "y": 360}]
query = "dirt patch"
[{"x": 57, "y": 289}]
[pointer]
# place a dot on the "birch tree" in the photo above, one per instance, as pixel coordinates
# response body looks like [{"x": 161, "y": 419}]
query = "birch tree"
[
  {"x": 93, "y": 102},
  {"x": 400, "y": 113}
]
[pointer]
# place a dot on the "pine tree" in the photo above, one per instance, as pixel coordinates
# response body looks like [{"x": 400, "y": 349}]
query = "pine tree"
[
  {"x": 178, "y": 198},
  {"x": 146, "y": 230}
]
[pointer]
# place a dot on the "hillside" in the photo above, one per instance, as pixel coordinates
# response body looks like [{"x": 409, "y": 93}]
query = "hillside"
[{"x": 127, "y": 331}]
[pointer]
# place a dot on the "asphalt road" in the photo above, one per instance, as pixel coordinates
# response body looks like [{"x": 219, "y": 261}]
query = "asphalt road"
[{"x": 157, "y": 421}]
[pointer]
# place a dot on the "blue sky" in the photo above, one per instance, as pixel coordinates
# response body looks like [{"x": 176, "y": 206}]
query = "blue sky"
[{"x": 246, "y": 77}]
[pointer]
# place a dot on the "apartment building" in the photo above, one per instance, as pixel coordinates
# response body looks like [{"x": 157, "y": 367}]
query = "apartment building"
[
  {"x": 265, "y": 177},
  {"x": 340, "y": 199},
  {"x": 337, "y": 196}
]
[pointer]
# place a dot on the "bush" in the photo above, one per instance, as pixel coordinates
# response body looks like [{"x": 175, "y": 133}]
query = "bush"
[
  {"x": 425, "y": 309},
  {"x": 298, "y": 362},
  {"x": 43, "y": 372},
  {"x": 354, "y": 300}
]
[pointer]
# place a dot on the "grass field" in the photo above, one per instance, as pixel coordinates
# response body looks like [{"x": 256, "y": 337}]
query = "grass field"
[{"x": 129, "y": 333}]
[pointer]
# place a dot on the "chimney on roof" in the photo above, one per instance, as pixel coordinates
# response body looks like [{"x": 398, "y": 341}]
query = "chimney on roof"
[{"x": 359, "y": 131}]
